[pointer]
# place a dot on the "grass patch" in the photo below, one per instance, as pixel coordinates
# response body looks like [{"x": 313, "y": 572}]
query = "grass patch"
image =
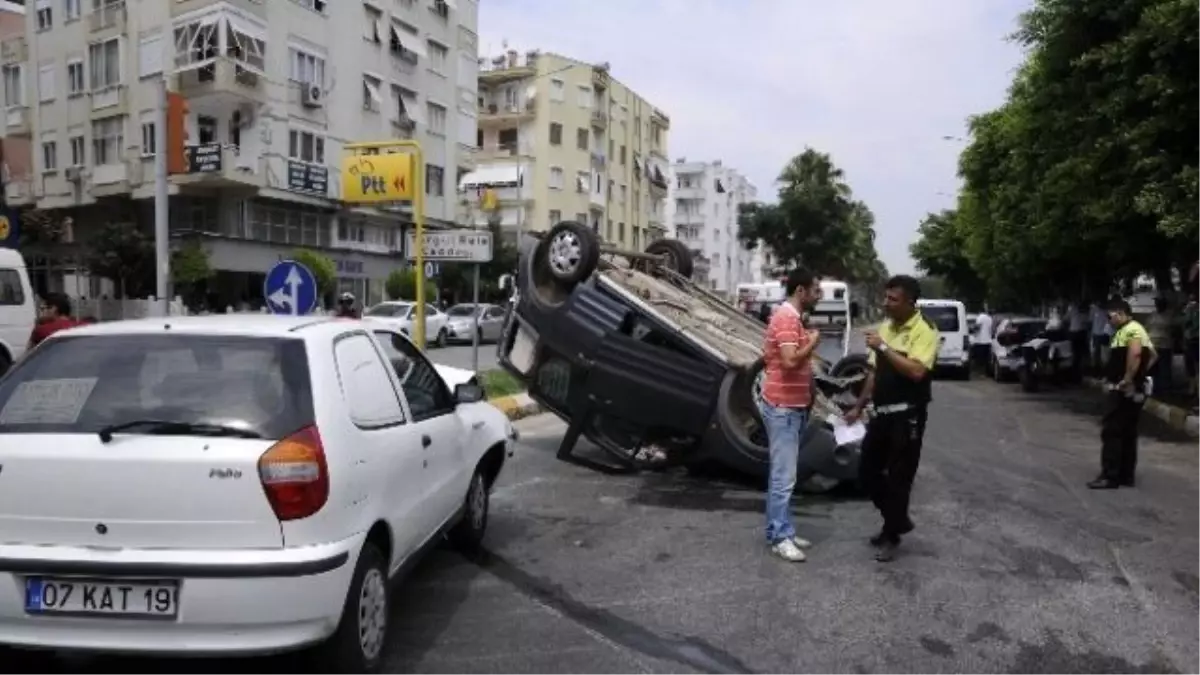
[{"x": 499, "y": 382}]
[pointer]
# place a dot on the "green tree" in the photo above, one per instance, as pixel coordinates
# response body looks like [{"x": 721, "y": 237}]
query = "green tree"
[
  {"x": 323, "y": 269},
  {"x": 121, "y": 252},
  {"x": 940, "y": 251},
  {"x": 456, "y": 279},
  {"x": 190, "y": 268},
  {"x": 816, "y": 221},
  {"x": 401, "y": 284}
]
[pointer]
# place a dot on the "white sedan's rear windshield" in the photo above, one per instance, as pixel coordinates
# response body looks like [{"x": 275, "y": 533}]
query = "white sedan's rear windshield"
[{"x": 85, "y": 383}]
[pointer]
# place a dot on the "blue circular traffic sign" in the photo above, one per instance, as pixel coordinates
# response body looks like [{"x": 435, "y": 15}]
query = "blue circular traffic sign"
[{"x": 290, "y": 288}]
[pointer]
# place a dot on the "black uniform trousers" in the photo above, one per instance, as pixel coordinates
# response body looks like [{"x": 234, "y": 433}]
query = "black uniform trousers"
[
  {"x": 1119, "y": 437},
  {"x": 891, "y": 452}
]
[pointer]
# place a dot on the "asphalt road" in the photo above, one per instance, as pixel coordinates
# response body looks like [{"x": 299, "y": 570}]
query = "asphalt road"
[
  {"x": 459, "y": 356},
  {"x": 1014, "y": 566}
]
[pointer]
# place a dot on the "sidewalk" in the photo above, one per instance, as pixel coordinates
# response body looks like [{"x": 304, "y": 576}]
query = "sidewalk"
[{"x": 516, "y": 406}]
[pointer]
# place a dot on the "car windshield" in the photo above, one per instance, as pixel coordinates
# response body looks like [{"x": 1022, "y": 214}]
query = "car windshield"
[
  {"x": 1026, "y": 330},
  {"x": 944, "y": 317},
  {"x": 461, "y": 310},
  {"x": 188, "y": 383},
  {"x": 391, "y": 309}
]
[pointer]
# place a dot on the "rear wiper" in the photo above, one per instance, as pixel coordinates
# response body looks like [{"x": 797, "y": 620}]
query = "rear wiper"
[{"x": 172, "y": 427}]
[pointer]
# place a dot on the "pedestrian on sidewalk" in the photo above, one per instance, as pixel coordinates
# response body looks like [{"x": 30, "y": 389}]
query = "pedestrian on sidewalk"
[
  {"x": 54, "y": 314},
  {"x": 1160, "y": 325},
  {"x": 1101, "y": 336},
  {"x": 903, "y": 352},
  {"x": 786, "y": 398},
  {"x": 982, "y": 344},
  {"x": 1131, "y": 353}
]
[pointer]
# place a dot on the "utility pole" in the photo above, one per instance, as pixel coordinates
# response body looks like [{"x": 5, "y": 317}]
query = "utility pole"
[{"x": 162, "y": 249}]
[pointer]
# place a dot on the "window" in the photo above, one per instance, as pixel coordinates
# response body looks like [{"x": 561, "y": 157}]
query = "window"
[
  {"x": 258, "y": 385},
  {"x": 206, "y": 129},
  {"x": 45, "y": 19},
  {"x": 623, "y": 193},
  {"x": 14, "y": 93},
  {"x": 49, "y": 156},
  {"x": 108, "y": 138},
  {"x": 105, "y": 58},
  {"x": 585, "y": 97},
  {"x": 404, "y": 41},
  {"x": 305, "y": 146},
  {"x": 46, "y": 82},
  {"x": 435, "y": 180},
  {"x": 437, "y": 56},
  {"x": 581, "y": 139},
  {"x": 436, "y": 118},
  {"x": 555, "y": 133},
  {"x": 373, "y": 30},
  {"x": 315, "y": 5},
  {"x": 440, "y": 8},
  {"x": 622, "y": 155},
  {"x": 307, "y": 67},
  {"x": 72, "y": 9},
  {"x": 148, "y": 139},
  {"x": 424, "y": 389},
  {"x": 370, "y": 394},
  {"x": 555, "y": 217},
  {"x": 556, "y": 178},
  {"x": 372, "y": 98},
  {"x": 78, "y": 154},
  {"x": 620, "y": 231},
  {"x": 75, "y": 83},
  {"x": 557, "y": 90},
  {"x": 11, "y": 292}
]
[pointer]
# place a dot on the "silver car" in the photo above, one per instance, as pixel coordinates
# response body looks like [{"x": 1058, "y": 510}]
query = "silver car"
[{"x": 461, "y": 322}]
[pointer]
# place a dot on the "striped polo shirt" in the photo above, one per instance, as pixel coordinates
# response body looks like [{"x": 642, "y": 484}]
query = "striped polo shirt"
[{"x": 786, "y": 387}]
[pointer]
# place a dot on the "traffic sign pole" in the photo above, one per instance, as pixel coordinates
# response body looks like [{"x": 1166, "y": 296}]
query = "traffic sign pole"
[
  {"x": 475, "y": 333},
  {"x": 417, "y": 188}
]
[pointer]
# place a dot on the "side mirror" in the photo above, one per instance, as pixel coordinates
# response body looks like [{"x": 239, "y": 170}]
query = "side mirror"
[
  {"x": 505, "y": 282},
  {"x": 854, "y": 310},
  {"x": 468, "y": 393}
]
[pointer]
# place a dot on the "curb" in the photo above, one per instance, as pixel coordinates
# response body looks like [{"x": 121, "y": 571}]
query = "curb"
[
  {"x": 1174, "y": 416},
  {"x": 516, "y": 406}
]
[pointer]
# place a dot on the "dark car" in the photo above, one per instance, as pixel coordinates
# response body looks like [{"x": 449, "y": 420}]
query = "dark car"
[{"x": 653, "y": 369}]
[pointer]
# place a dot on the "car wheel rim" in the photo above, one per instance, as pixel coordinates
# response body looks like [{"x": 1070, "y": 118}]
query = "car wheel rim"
[
  {"x": 372, "y": 614},
  {"x": 565, "y": 253},
  {"x": 478, "y": 505}
]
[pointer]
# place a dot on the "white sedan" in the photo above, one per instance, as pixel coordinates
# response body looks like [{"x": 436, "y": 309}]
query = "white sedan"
[
  {"x": 400, "y": 315},
  {"x": 231, "y": 485}
]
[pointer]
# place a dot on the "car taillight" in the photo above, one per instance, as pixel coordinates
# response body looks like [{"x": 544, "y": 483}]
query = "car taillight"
[{"x": 294, "y": 475}]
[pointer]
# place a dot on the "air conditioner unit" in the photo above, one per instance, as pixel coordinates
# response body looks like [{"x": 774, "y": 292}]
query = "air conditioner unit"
[
  {"x": 311, "y": 95},
  {"x": 74, "y": 174}
]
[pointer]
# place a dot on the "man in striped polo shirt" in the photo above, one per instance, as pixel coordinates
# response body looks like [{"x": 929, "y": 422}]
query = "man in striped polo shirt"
[{"x": 786, "y": 397}]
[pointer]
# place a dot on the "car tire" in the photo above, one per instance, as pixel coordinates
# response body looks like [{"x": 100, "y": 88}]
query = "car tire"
[
  {"x": 359, "y": 644},
  {"x": 467, "y": 533},
  {"x": 5, "y": 363},
  {"x": 570, "y": 251},
  {"x": 678, "y": 255},
  {"x": 851, "y": 364},
  {"x": 441, "y": 338}
]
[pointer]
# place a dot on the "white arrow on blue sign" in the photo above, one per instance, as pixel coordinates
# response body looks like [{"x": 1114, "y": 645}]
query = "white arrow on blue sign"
[
  {"x": 432, "y": 269},
  {"x": 290, "y": 288}
]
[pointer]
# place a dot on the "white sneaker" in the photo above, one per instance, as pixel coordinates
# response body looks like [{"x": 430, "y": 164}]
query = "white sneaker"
[
  {"x": 788, "y": 550},
  {"x": 801, "y": 542}
]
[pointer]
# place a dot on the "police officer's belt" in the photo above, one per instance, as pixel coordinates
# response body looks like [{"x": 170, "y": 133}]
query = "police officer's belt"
[{"x": 893, "y": 408}]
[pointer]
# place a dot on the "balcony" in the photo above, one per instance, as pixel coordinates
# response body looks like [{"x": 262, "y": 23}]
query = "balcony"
[
  {"x": 689, "y": 219},
  {"x": 599, "y": 159},
  {"x": 660, "y": 118},
  {"x": 14, "y": 50},
  {"x": 108, "y": 15},
  {"x": 491, "y": 153},
  {"x": 494, "y": 114},
  {"x": 19, "y": 192},
  {"x": 599, "y": 119},
  {"x": 108, "y": 101},
  {"x": 596, "y": 199},
  {"x": 690, "y": 192},
  {"x": 19, "y": 121},
  {"x": 601, "y": 79},
  {"x": 215, "y": 165},
  {"x": 221, "y": 53},
  {"x": 508, "y": 67}
]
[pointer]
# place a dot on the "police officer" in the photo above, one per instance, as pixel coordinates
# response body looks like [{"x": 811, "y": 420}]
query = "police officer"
[
  {"x": 903, "y": 351},
  {"x": 1130, "y": 355},
  {"x": 345, "y": 307}
]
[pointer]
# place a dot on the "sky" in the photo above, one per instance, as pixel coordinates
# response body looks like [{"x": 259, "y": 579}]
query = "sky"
[{"x": 877, "y": 84}]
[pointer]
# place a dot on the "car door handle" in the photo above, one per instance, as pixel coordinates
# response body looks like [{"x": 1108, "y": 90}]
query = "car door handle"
[
  {"x": 477, "y": 425},
  {"x": 426, "y": 441}
]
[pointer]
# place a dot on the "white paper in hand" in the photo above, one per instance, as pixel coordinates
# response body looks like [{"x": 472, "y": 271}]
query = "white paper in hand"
[{"x": 844, "y": 434}]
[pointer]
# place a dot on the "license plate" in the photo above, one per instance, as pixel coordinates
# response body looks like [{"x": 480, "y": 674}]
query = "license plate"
[{"x": 97, "y": 597}]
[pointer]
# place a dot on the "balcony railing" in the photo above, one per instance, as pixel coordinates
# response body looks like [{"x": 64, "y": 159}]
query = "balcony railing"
[
  {"x": 14, "y": 50},
  {"x": 107, "y": 15}
]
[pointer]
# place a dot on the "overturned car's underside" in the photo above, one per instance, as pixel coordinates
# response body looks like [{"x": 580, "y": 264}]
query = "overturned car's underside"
[{"x": 652, "y": 368}]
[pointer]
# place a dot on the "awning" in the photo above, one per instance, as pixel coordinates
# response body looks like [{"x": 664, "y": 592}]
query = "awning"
[
  {"x": 373, "y": 91},
  {"x": 413, "y": 109},
  {"x": 409, "y": 42},
  {"x": 452, "y": 4},
  {"x": 492, "y": 177},
  {"x": 240, "y": 25}
]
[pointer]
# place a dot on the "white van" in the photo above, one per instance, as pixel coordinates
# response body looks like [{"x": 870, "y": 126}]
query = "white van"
[
  {"x": 18, "y": 308},
  {"x": 950, "y": 317}
]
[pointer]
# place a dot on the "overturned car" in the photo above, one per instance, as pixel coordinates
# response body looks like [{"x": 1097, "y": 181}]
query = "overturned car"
[{"x": 652, "y": 368}]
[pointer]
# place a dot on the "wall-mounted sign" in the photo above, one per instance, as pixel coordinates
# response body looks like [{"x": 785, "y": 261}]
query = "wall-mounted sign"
[
  {"x": 204, "y": 158},
  {"x": 311, "y": 178}
]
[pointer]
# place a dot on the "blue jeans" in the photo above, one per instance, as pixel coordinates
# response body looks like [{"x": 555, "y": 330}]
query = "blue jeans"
[{"x": 784, "y": 427}]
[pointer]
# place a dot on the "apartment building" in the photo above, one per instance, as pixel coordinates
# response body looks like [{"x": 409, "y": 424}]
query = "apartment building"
[
  {"x": 562, "y": 139},
  {"x": 271, "y": 93},
  {"x": 15, "y": 151},
  {"x": 702, "y": 211}
]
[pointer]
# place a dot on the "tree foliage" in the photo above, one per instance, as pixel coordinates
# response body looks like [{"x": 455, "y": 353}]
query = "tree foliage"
[
  {"x": 456, "y": 279},
  {"x": 121, "y": 252},
  {"x": 815, "y": 222},
  {"x": 323, "y": 268},
  {"x": 1087, "y": 174},
  {"x": 190, "y": 264},
  {"x": 401, "y": 284},
  {"x": 940, "y": 251}
]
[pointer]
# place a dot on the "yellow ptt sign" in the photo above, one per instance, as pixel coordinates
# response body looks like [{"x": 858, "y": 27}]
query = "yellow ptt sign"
[{"x": 368, "y": 179}]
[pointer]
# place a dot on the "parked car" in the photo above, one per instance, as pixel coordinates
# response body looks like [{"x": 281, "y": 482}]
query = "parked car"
[
  {"x": 18, "y": 308},
  {"x": 1010, "y": 334},
  {"x": 230, "y": 485},
  {"x": 950, "y": 318},
  {"x": 653, "y": 369},
  {"x": 460, "y": 322},
  {"x": 1049, "y": 357},
  {"x": 400, "y": 315}
]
